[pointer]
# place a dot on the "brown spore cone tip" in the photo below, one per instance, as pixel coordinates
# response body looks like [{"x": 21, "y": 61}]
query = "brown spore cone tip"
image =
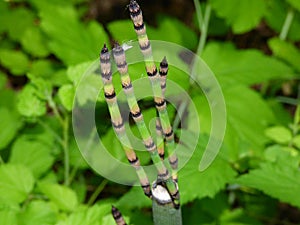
[
  {"x": 134, "y": 8},
  {"x": 104, "y": 49}
]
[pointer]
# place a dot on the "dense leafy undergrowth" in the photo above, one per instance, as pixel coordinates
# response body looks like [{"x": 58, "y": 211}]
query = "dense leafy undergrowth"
[{"x": 46, "y": 46}]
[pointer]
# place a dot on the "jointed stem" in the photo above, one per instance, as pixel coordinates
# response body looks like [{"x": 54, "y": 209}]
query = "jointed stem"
[
  {"x": 117, "y": 120},
  {"x": 145, "y": 46}
]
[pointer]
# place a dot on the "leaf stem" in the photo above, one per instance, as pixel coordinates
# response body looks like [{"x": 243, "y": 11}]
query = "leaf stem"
[
  {"x": 48, "y": 128},
  {"x": 97, "y": 192},
  {"x": 287, "y": 24},
  {"x": 66, "y": 150}
]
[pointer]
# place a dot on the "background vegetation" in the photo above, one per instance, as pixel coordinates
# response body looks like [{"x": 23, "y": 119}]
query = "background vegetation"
[{"x": 253, "y": 49}]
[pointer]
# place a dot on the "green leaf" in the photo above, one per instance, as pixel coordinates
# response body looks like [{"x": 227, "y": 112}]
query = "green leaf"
[
  {"x": 241, "y": 15},
  {"x": 19, "y": 20},
  {"x": 285, "y": 51},
  {"x": 16, "y": 182},
  {"x": 247, "y": 67},
  {"x": 16, "y": 61},
  {"x": 9, "y": 126},
  {"x": 66, "y": 95},
  {"x": 279, "y": 134},
  {"x": 63, "y": 197},
  {"x": 128, "y": 200},
  {"x": 279, "y": 179},
  {"x": 122, "y": 30},
  {"x": 8, "y": 216},
  {"x": 29, "y": 104},
  {"x": 88, "y": 216},
  {"x": 32, "y": 153},
  {"x": 275, "y": 17},
  {"x": 195, "y": 184},
  {"x": 295, "y": 4},
  {"x": 237, "y": 217},
  {"x": 38, "y": 212},
  {"x": 83, "y": 76},
  {"x": 34, "y": 42},
  {"x": 42, "y": 68},
  {"x": 71, "y": 41}
]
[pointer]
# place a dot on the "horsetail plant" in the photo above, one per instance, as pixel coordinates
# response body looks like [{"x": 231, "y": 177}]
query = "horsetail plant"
[
  {"x": 164, "y": 190},
  {"x": 145, "y": 47}
]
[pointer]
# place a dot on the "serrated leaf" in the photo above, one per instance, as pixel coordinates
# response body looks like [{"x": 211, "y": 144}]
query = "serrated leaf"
[
  {"x": 247, "y": 67},
  {"x": 279, "y": 179},
  {"x": 66, "y": 94},
  {"x": 29, "y": 104},
  {"x": 285, "y": 51},
  {"x": 34, "y": 154},
  {"x": 279, "y": 134},
  {"x": 10, "y": 124},
  {"x": 16, "y": 182},
  {"x": 195, "y": 184},
  {"x": 63, "y": 197},
  {"x": 16, "y": 61},
  {"x": 71, "y": 41},
  {"x": 34, "y": 42},
  {"x": 38, "y": 212},
  {"x": 241, "y": 15}
]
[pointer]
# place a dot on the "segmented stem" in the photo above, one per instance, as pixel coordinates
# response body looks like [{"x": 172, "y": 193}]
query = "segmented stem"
[
  {"x": 117, "y": 120},
  {"x": 163, "y": 173},
  {"x": 120, "y": 59},
  {"x": 145, "y": 47},
  {"x": 117, "y": 216}
]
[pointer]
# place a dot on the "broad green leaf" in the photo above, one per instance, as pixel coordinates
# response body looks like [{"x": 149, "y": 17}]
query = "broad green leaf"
[
  {"x": 296, "y": 141},
  {"x": 9, "y": 126},
  {"x": 34, "y": 154},
  {"x": 38, "y": 212},
  {"x": 128, "y": 200},
  {"x": 247, "y": 67},
  {"x": 29, "y": 104},
  {"x": 285, "y": 51},
  {"x": 15, "y": 61},
  {"x": 195, "y": 184},
  {"x": 42, "y": 68},
  {"x": 295, "y": 4},
  {"x": 274, "y": 152},
  {"x": 122, "y": 30},
  {"x": 4, "y": 16},
  {"x": 19, "y": 20},
  {"x": 279, "y": 179},
  {"x": 42, "y": 86},
  {"x": 279, "y": 134},
  {"x": 241, "y": 15},
  {"x": 66, "y": 96},
  {"x": 34, "y": 42},
  {"x": 63, "y": 197},
  {"x": 247, "y": 114},
  {"x": 275, "y": 17},
  {"x": 87, "y": 83},
  {"x": 71, "y": 41},
  {"x": 8, "y": 216},
  {"x": 88, "y": 216},
  {"x": 16, "y": 182},
  {"x": 76, "y": 158},
  {"x": 59, "y": 78}
]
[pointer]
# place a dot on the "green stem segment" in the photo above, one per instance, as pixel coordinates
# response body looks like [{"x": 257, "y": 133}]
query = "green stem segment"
[
  {"x": 117, "y": 120},
  {"x": 287, "y": 24},
  {"x": 145, "y": 46}
]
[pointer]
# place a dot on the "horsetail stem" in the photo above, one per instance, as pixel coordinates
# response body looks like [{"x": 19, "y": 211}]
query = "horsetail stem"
[
  {"x": 145, "y": 47},
  {"x": 120, "y": 59},
  {"x": 117, "y": 120},
  {"x": 117, "y": 216}
]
